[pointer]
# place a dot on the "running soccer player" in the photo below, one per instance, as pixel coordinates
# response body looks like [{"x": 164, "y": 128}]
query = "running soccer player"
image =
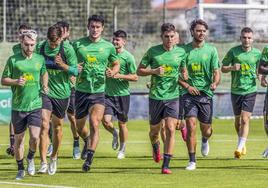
[
  {"x": 94, "y": 53},
  {"x": 242, "y": 62},
  {"x": 165, "y": 61},
  {"x": 61, "y": 62},
  {"x": 204, "y": 76},
  {"x": 65, "y": 28},
  {"x": 263, "y": 70},
  {"x": 22, "y": 28},
  {"x": 23, "y": 73},
  {"x": 117, "y": 94},
  {"x": 16, "y": 49}
]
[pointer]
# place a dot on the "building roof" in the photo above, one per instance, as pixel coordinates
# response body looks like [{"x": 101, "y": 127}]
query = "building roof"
[{"x": 183, "y": 4}]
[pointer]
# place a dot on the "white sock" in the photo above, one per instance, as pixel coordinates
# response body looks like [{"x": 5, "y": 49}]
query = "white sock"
[
  {"x": 241, "y": 143},
  {"x": 122, "y": 147}
]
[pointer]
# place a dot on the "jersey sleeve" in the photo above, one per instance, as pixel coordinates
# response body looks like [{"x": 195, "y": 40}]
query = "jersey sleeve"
[
  {"x": 132, "y": 68},
  {"x": 8, "y": 70},
  {"x": 183, "y": 59},
  {"x": 113, "y": 56},
  {"x": 43, "y": 68},
  {"x": 215, "y": 60},
  {"x": 70, "y": 55},
  {"x": 264, "y": 55},
  {"x": 146, "y": 59},
  {"x": 228, "y": 58}
]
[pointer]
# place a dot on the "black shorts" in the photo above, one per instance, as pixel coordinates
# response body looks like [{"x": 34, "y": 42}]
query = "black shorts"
[
  {"x": 243, "y": 102},
  {"x": 58, "y": 107},
  {"x": 84, "y": 101},
  {"x": 200, "y": 106},
  {"x": 160, "y": 109},
  {"x": 71, "y": 107},
  {"x": 117, "y": 106},
  {"x": 181, "y": 109},
  {"x": 21, "y": 120}
]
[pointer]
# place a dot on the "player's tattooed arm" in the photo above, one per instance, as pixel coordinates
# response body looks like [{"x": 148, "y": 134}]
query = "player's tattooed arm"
[
  {"x": 44, "y": 81},
  {"x": 110, "y": 72}
]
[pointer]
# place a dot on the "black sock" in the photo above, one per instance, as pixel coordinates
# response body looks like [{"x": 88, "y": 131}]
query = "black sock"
[
  {"x": 167, "y": 158},
  {"x": 76, "y": 142},
  {"x": 204, "y": 139},
  {"x": 192, "y": 157},
  {"x": 30, "y": 155},
  {"x": 12, "y": 140},
  {"x": 20, "y": 164},
  {"x": 90, "y": 154},
  {"x": 155, "y": 146}
]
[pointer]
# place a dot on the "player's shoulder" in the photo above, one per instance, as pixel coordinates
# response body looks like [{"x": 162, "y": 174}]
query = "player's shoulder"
[
  {"x": 38, "y": 56},
  {"x": 79, "y": 41},
  {"x": 105, "y": 42},
  {"x": 256, "y": 50}
]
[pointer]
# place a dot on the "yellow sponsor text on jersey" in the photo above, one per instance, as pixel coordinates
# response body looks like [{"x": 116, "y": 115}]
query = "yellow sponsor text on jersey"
[{"x": 28, "y": 77}]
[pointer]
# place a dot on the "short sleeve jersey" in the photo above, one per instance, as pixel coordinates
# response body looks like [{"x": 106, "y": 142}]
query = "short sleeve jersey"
[
  {"x": 25, "y": 98},
  {"x": 120, "y": 87},
  {"x": 95, "y": 57},
  {"x": 165, "y": 86},
  {"x": 243, "y": 80},
  {"x": 59, "y": 80},
  {"x": 201, "y": 63}
]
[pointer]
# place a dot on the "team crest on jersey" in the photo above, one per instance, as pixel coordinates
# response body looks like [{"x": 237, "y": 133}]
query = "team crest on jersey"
[
  {"x": 101, "y": 50},
  {"x": 205, "y": 57},
  {"x": 37, "y": 66}
]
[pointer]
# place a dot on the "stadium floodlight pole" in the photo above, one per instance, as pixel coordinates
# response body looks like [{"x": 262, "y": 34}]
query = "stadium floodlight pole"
[
  {"x": 88, "y": 12},
  {"x": 4, "y": 20}
]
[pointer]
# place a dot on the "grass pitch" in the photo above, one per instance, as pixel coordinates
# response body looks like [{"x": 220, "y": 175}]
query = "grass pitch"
[{"x": 219, "y": 169}]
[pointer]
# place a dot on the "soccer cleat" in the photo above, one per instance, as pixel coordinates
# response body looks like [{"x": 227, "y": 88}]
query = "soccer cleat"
[
  {"x": 265, "y": 153},
  {"x": 156, "y": 152},
  {"x": 244, "y": 150},
  {"x": 84, "y": 152},
  {"x": 86, "y": 166},
  {"x": 166, "y": 171},
  {"x": 204, "y": 148},
  {"x": 20, "y": 175},
  {"x": 115, "y": 142},
  {"x": 184, "y": 133},
  {"x": 76, "y": 152},
  {"x": 52, "y": 167},
  {"x": 30, "y": 167},
  {"x": 43, "y": 168},
  {"x": 49, "y": 150},
  {"x": 237, "y": 154},
  {"x": 191, "y": 166},
  {"x": 121, "y": 155},
  {"x": 10, "y": 151}
]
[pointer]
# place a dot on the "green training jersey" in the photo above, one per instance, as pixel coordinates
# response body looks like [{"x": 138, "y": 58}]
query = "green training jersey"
[
  {"x": 59, "y": 80},
  {"x": 165, "y": 86},
  {"x": 201, "y": 63},
  {"x": 25, "y": 98},
  {"x": 120, "y": 87},
  {"x": 95, "y": 57},
  {"x": 16, "y": 48},
  {"x": 264, "y": 56},
  {"x": 243, "y": 80}
]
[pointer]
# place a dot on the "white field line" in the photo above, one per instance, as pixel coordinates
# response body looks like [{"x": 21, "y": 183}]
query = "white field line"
[{"x": 34, "y": 185}]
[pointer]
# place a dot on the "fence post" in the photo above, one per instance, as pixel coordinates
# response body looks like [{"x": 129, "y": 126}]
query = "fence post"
[
  {"x": 4, "y": 21},
  {"x": 88, "y": 12},
  {"x": 115, "y": 16}
]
